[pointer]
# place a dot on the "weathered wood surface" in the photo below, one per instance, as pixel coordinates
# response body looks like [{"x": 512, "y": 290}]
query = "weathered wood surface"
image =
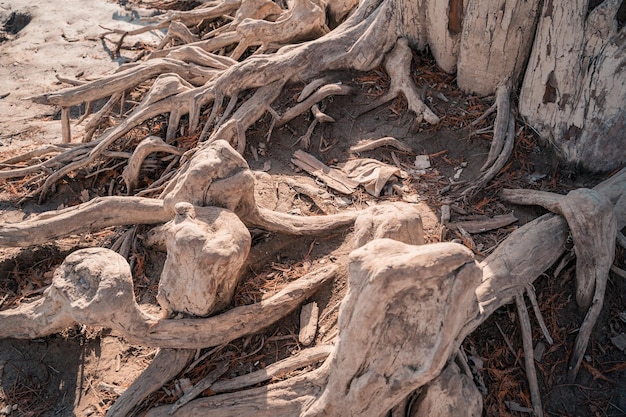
[
  {"x": 206, "y": 249},
  {"x": 67, "y": 302},
  {"x": 574, "y": 89},
  {"x": 96, "y": 214},
  {"x": 496, "y": 39}
]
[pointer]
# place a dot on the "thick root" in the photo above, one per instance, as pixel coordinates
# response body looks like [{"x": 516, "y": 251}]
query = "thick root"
[
  {"x": 390, "y": 340},
  {"x": 107, "y": 300},
  {"x": 96, "y": 214},
  {"x": 206, "y": 248}
]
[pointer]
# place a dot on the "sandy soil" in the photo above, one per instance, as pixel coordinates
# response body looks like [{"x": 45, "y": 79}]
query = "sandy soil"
[{"x": 60, "y": 39}]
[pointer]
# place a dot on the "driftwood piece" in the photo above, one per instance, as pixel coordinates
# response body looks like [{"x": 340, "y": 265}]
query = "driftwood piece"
[
  {"x": 332, "y": 177},
  {"x": 308, "y": 323},
  {"x": 216, "y": 330},
  {"x": 215, "y": 176},
  {"x": 66, "y": 134},
  {"x": 368, "y": 145},
  {"x": 480, "y": 226},
  {"x": 206, "y": 248}
]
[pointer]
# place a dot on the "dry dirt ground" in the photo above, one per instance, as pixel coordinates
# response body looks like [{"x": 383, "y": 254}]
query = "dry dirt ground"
[{"x": 79, "y": 372}]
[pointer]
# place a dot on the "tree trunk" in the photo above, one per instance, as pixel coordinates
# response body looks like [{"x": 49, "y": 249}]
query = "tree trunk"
[
  {"x": 574, "y": 90},
  {"x": 572, "y": 62}
]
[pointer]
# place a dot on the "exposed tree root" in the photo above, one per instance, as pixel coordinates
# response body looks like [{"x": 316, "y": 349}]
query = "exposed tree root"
[
  {"x": 96, "y": 214},
  {"x": 501, "y": 124},
  {"x": 502, "y": 143},
  {"x": 147, "y": 146},
  {"x": 593, "y": 223},
  {"x": 166, "y": 365},
  {"x": 408, "y": 307},
  {"x": 100, "y": 303},
  {"x": 398, "y": 66},
  {"x": 529, "y": 357}
]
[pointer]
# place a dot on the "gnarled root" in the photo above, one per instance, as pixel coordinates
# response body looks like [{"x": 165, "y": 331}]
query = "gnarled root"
[
  {"x": 389, "y": 325},
  {"x": 593, "y": 225},
  {"x": 398, "y": 66},
  {"x": 386, "y": 328},
  {"x": 206, "y": 248},
  {"x": 94, "y": 287},
  {"x": 305, "y": 20}
]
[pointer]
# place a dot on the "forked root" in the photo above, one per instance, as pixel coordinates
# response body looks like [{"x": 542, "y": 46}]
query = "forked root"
[
  {"x": 398, "y": 66},
  {"x": 503, "y": 139},
  {"x": 217, "y": 176},
  {"x": 501, "y": 124},
  {"x": 305, "y": 20},
  {"x": 593, "y": 226}
]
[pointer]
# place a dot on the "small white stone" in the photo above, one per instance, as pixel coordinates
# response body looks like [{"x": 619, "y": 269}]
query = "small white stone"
[{"x": 422, "y": 162}]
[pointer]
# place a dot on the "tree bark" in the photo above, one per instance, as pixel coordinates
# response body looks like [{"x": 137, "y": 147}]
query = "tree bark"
[
  {"x": 495, "y": 43},
  {"x": 574, "y": 89}
]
